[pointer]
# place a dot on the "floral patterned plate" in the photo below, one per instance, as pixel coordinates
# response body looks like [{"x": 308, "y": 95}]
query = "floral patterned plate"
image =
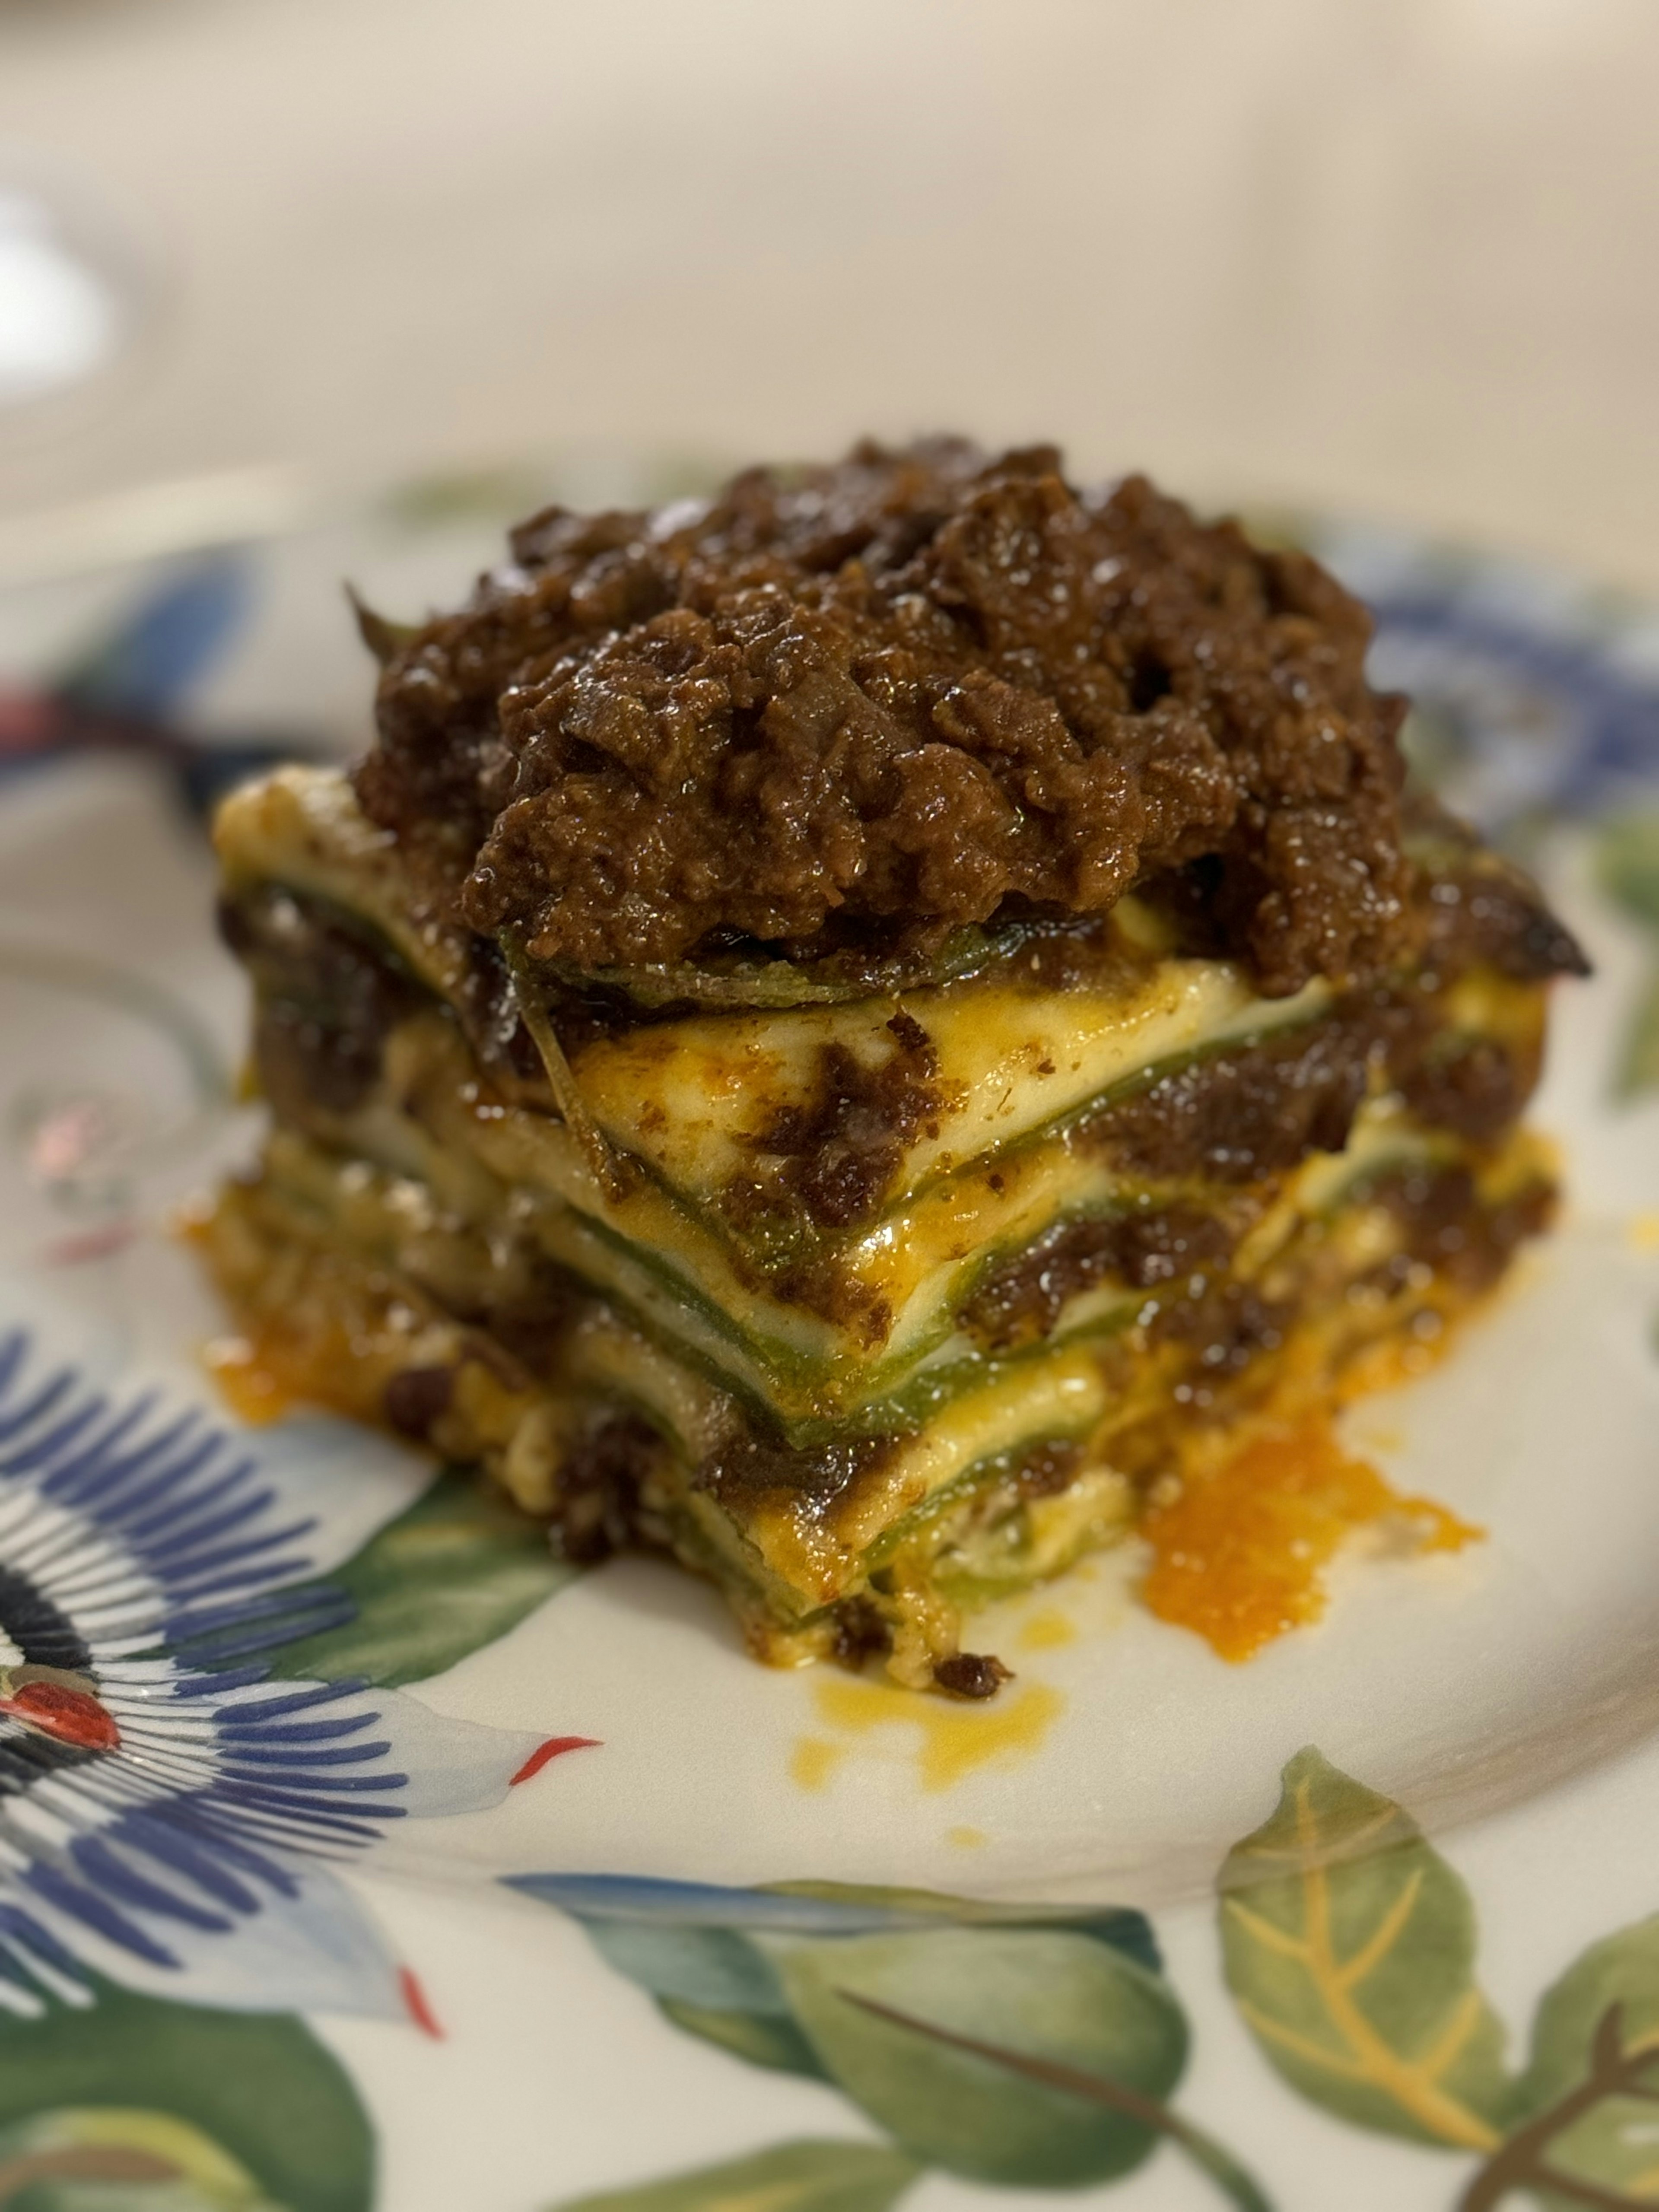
[{"x": 353, "y": 1853}]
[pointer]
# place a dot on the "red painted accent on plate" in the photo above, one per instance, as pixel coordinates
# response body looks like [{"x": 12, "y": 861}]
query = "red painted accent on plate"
[
  {"x": 416, "y": 2005},
  {"x": 93, "y": 1245},
  {"x": 553, "y": 1748},
  {"x": 70, "y": 1715}
]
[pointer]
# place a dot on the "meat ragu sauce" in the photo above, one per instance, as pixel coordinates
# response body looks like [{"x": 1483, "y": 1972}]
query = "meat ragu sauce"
[{"x": 877, "y": 700}]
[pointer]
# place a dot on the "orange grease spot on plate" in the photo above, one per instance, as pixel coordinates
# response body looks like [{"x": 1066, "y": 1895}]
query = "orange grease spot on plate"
[
  {"x": 1048, "y": 1631},
  {"x": 246, "y": 1380},
  {"x": 1239, "y": 1556},
  {"x": 813, "y": 1760},
  {"x": 954, "y": 1739}
]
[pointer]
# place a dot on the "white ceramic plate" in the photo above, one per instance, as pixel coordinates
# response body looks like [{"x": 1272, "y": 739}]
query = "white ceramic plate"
[{"x": 320, "y": 1889}]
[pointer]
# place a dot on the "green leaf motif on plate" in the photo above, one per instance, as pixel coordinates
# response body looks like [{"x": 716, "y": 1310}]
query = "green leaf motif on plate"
[
  {"x": 455, "y": 1572},
  {"x": 714, "y": 1983},
  {"x": 1621, "y": 1970},
  {"x": 177, "y": 2106},
  {"x": 1349, "y": 1946},
  {"x": 1638, "y": 1064},
  {"x": 1627, "y": 864},
  {"x": 1627, "y": 870},
  {"x": 709, "y": 1956},
  {"x": 1589, "y": 2101},
  {"x": 1124, "y": 1929},
  {"x": 1056, "y": 1998},
  {"x": 1010, "y": 2043},
  {"x": 761, "y": 2039},
  {"x": 796, "y": 2176}
]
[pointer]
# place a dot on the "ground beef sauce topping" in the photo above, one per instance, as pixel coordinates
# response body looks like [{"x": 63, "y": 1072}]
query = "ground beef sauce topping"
[{"x": 869, "y": 703}]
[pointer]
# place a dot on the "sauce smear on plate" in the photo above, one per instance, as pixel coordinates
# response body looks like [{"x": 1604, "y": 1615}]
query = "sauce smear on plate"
[{"x": 1239, "y": 1556}]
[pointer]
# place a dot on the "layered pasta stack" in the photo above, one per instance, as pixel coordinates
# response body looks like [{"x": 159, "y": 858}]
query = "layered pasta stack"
[{"x": 873, "y": 1263}]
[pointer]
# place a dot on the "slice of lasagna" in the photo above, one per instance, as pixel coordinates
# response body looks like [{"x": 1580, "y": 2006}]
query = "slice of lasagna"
[{"x": 855, "y": 1032}]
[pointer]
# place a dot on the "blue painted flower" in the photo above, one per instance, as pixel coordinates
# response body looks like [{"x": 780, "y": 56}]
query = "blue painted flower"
[
  {"x": 169, "y": 1814},
  {"x": 1544, "y": 723},
  {"x": 1533, "y": 699}
]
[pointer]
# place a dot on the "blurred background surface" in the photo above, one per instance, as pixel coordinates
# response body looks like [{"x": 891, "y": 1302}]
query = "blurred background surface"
[{"x": 1395, "y": 257}]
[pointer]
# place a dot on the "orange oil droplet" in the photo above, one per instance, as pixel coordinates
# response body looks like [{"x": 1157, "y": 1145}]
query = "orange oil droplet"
[
  {"x": 951, "y": 1740},
  {"x": 1050, "y": 1629},
  {"x": 813, "y": 1761},
  {"x": 1239, "y": 1557},
  {"x": 247, "y": 1381}
]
